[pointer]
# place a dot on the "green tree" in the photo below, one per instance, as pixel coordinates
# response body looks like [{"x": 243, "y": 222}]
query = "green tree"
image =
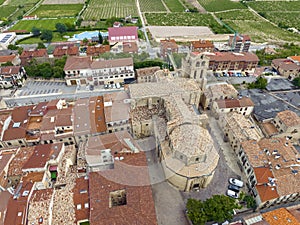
[
  {"x": 85, "y": 41},
  {"x": 100, "y": 38},
  {"x": 46, "y": 35},
  {"x": 296, "y": 81},
  {"x": 35, "y": 31},
  {"x": 260, "y": 83},
  {"x": 41, "y": 45},
  {"x": 195, "y": 211},
  {"x": 220, "y": 208},
  {"x": 7, "y": 64},
  {"x": 45, "y": 70},
  {"x": 61, "y": 28}
]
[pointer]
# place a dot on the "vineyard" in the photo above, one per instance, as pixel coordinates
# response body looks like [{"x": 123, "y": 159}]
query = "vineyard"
[
  {"x": 152, "y": 6},
  {"x": 50, "y": 11},
  {"x": 108, "y": 9},
  {"x": 242, "y": 14},
  {"x": 274, "y": 6},
  {"x": 261, "y": 31},
  {"x": 174, "y": 5},
  {"x": 57, "y": 2},
  {"x": 284, "y": 14},
  {"x": 220, "y": 5}
]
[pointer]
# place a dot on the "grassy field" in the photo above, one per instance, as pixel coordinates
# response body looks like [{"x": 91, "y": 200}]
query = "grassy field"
[
  {"x": 56, "y": 37},
  {"x": 22, "y": 2},
  {"x": 109, "y": 8},
  {"x": 174, "y": 5},
  {"x": 286, "y": 20},
  {"x": 184, "y": 19},
  {"x": 6, "y": 10},
  {"x": 220, "y": 5},
  {"x": 152, "y": 6},
  {"x": 51, "y": 11},
  {"x": 42, "y": 24}
]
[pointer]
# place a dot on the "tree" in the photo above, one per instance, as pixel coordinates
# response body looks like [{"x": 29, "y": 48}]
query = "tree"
[
  {"x": 35, "y": 31},
  {"x": 195, "y": 211},
  {"x": 61, "y": 28},
  {"x": 218, "y": 208},
  {"x": 85, "y": 41},
  {"x": 46, "y": 35},
  {"x": 100, "y": 38},
  {"x": 41, "y": 45},
  {"x": 260, "y": 83},
  {"x": 296, "y": 81}
]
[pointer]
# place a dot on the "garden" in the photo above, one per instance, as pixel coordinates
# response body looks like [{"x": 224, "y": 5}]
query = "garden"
[
  {"x": 108, "y": 9},
  {"x": 52, "y": 11}
]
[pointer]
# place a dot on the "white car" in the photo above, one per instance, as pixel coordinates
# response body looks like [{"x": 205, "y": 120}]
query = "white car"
[
  {"x": 232, "y": 194},
  {"x": 236, "y": 182}
]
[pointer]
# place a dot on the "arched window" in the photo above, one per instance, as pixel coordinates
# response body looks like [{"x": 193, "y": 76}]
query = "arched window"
[{"x": 197, "y": 64}]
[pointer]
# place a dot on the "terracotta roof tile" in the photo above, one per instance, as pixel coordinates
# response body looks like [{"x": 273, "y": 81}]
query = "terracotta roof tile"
[
  {"x": 34, "y": 53},
  {"x": 202, "y": 44},
  {"x": 280, "y": 217},
  {"x": 60, "y": 51},
  {"x": 289, "y": 118},
  {"x": 81, "y": 196},
  {"x": 96, "y": 50},
  {"x": 235, "y": 103},
  {"x": 231, "y": 56},
  {"x": 130, "y": 47},
  {"x": 7, "y": 58}
]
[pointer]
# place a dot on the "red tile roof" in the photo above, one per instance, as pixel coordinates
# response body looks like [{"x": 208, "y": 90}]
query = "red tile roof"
[
  {"x": 7, "y": 58},
  {"x": 96, "y": 50},
  {"x": 9, "y": 70},
  {"x": 139, "y": 207},
  {"x": 60, "y": 51},
  {"x": 77, "y": 63},
  {"x": 81, "y": 196},
  {"x": 235, "y": 103},
  {"x": 280, "y": 216},
  {"x": 34, "y": 53},
  {"x": 122, "y": 34},
  {"x": 202, "y": 44},
  {"x": 232, "y": 56}
]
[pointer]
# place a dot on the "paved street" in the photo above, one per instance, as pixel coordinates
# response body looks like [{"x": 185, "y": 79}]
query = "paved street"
[
  {"x": 169, "y": 204},
  {"x": 39, "y": 91}
]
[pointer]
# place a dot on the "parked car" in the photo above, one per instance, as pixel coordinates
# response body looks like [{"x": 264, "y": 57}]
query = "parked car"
[
  {"x": 236, "y": 182},
  {"x": 233, "y": 188},
  {"x": 232, "y": 194}
]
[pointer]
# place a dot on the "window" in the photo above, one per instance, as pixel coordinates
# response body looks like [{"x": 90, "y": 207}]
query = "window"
[
  {"x": 78, "y": 206},
  {"x": 86, "y": 205}
]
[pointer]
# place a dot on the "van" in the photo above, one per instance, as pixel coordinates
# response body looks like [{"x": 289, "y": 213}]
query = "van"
[
  {"x": 232, "y": 194},
  {"x": 236, "y": 182}
]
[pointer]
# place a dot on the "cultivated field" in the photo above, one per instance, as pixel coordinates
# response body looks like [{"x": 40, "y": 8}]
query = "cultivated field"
[
  {"x": 262, "y": 31},
  {"x": 42, "y": 24},
  {"x": 52, "y": 11},
  {"x": 152, "y": 6},
  {"x": 22, "y": 2},
  {"x": 184, "y": 19},
  {"x": 220, "y": 5},
  {"x": 109, "y": 8},
  {"x": 56, "y": 2},
  {"x": 6, "y": 10},
  {"x": 284, "y": 14},
  {"x": 174, "y": 5}
]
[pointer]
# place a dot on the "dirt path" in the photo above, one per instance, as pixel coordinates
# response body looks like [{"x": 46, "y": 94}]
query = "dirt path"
[
  {"x": 6, "y": 2},
  {"x": 196, "y": 4}
]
